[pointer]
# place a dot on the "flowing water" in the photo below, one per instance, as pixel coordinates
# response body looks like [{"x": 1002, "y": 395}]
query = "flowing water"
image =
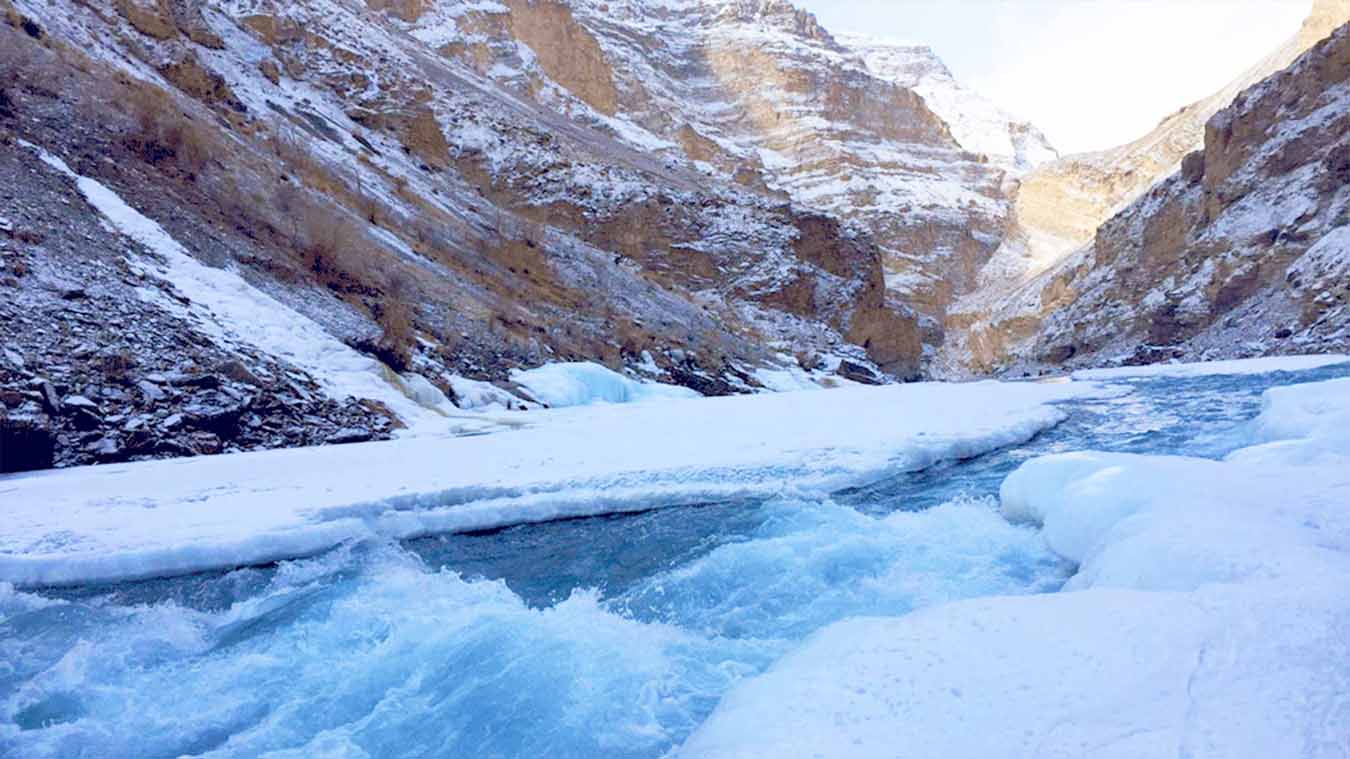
[{"x": 603, "y": 637}]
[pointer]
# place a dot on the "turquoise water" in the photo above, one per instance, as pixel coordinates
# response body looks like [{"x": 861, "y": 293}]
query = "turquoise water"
[{"x": 604, "y": 637}]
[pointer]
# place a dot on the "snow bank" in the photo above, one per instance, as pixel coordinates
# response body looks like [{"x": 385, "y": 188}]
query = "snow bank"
[
  {"x": 1210, "y": 620},
  {"x": 1317, "y": 412},
  {"x": 1112, "y": 674},
  {"x": 166, "y": 517},
  {"x": 1264, "y": 365},
  {"x": 581, "y": 384}
]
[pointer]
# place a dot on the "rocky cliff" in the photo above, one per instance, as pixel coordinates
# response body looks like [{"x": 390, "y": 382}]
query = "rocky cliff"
[
  {"x": 1244, "y": 251},
  {"x": 444, "y": 190},
  {"x": 1058, "y": 209},
  {"x": 758, "y": 93}
]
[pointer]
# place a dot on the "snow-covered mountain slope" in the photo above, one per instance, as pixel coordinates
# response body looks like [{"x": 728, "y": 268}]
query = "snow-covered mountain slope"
[
  {"x": 717, "y": 194},
  {"x": 1059, "y": 207},
  {"x": 978, "y": 124},
  {"x": 759, "y": 93},
  {"x": 1244, "y": 251},
  {"x": 353, "y": 162}
]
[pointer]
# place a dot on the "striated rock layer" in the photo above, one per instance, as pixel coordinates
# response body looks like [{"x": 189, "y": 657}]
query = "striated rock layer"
[
  {"x": 878, "y": 135},
  {"x": 1059, "y": 208},
  {"x": 1245, "y": 250}
]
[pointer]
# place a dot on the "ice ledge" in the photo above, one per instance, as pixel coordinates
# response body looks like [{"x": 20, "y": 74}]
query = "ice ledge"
[
  {"x": 110, "y": 523},
  {"x": 1209, "y": 620}
]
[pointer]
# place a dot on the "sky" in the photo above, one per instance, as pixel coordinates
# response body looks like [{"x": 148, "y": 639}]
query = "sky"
[{"x": 1091, "y": 74}]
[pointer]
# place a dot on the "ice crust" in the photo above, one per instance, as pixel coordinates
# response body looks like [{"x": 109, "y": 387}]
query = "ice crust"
[{"x": 1208, "y": 618}]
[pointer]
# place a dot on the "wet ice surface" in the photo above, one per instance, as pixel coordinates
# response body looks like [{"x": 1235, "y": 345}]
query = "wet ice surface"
[{"x": 600, "y": 637}]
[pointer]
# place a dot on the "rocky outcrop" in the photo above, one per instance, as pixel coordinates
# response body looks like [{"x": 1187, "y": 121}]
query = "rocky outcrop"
[
  {"x": 454, "y": 190},
  {"x": 1244, "y": 251},
  {"x": 797, "y": 114},
  {"x": 566, "y": 51},
  {"x": 1059, "y": 208},
  {"x": 92, "y": 371},
  {"x": 978, "y": 125}
]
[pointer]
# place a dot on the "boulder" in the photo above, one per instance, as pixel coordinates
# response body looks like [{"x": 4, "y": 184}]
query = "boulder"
[
  {"x": 203, "y": 443},
  {"x": 84, "y": 418},
  {"x": 349, "y": 435},
  {"x": 50, "y": 398},
  {"x": 188, "y": 379},
  {"x": 150, "y": 390},
  {"x": 236, "y": 371},
  {"x": 79, "y": 401},
  {"x": 217, "y": 416},
  {"x": 857, "y": 373},
  {"x": 107, "y": 449}
]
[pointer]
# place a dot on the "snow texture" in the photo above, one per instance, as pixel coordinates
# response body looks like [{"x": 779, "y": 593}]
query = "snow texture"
[
  {"x": 976, "y": 123},
  {"x": 168, "y": 517},
  {"x": 1210, "y": 620}
]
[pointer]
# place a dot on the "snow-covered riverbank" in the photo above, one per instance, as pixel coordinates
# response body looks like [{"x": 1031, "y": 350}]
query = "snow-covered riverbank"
[
  {"x": 112, "y": 523},
  {"x": 1208, "y": 617},
  {"x": 771, "y": 609}
]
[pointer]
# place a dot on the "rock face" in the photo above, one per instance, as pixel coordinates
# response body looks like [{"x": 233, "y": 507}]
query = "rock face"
[
  {"x": 1059, "y": 207},
  {"x": 1244, "y": 251},
  {"x": 459, "y": 189},
  {"x": 107, "y": 376},
  {"x": 759, "y": 93},
  {"x": 566, "y": 51},
  {"x": 978, "y": 125}
]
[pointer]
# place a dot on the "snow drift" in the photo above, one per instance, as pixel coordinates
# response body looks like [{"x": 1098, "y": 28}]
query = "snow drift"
[{"x": 1211, "y": 619}]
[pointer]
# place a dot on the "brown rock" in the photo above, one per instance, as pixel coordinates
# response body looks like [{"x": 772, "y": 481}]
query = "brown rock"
[
  {"x": 189, "y": 75},
  {"x": 149, "y": 17},
  {"x": 567, "y": 52},
  {"x": 406, "y": 10},
  {"x": 422, "y": 136},
  {"x": 270, "y": 70}
]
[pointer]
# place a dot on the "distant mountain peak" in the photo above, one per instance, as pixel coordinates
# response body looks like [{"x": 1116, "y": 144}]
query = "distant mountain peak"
[{"x": 978, "y": 124}]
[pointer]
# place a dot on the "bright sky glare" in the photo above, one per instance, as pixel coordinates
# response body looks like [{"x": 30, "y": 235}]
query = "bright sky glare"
[{"x": 1091, "y": 74}]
